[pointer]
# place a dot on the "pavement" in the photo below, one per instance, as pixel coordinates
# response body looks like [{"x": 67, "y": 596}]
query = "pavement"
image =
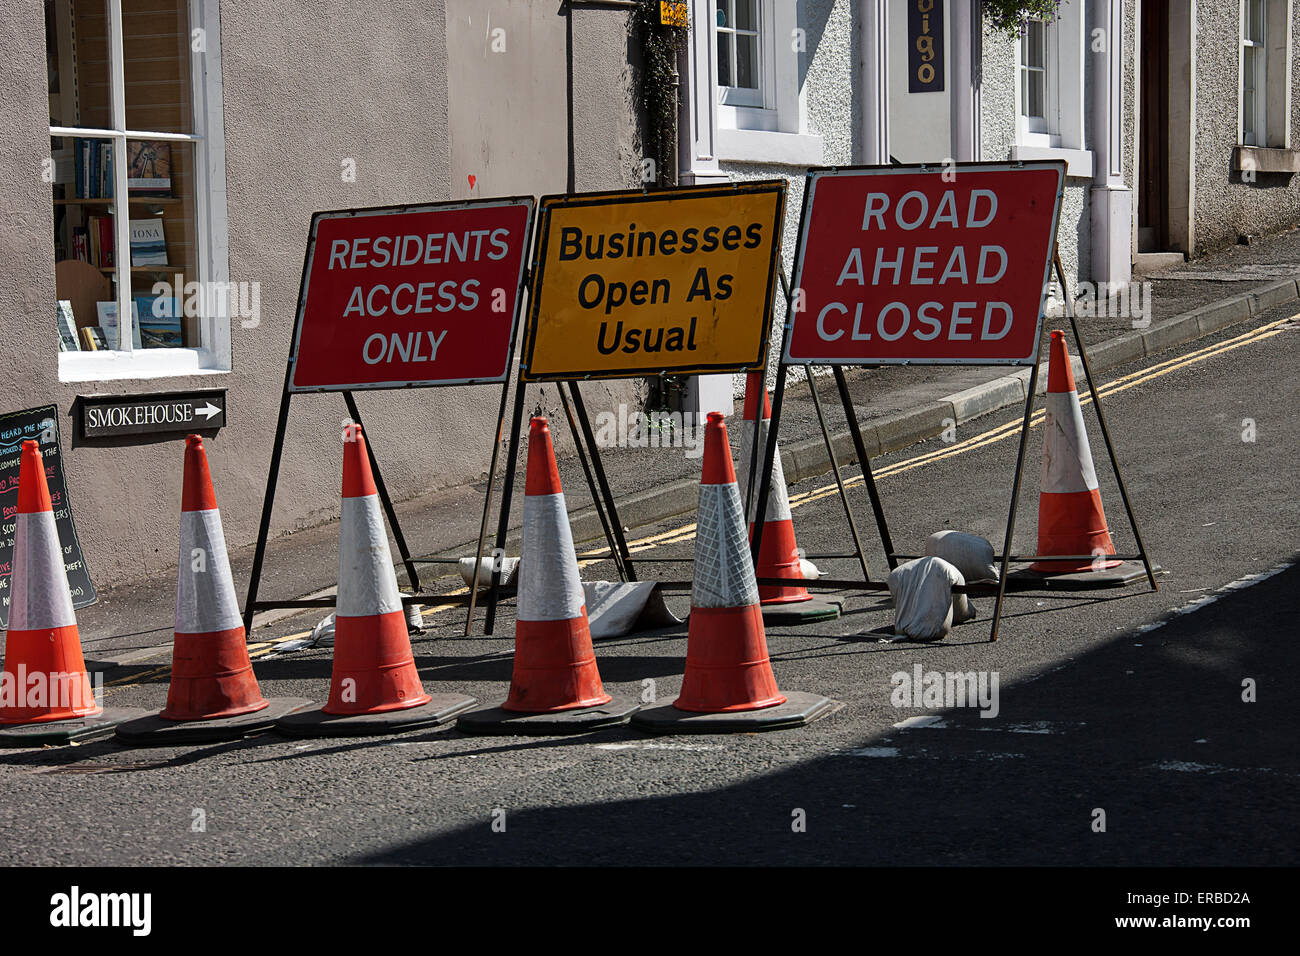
[{"x": 1127, "y": 702}]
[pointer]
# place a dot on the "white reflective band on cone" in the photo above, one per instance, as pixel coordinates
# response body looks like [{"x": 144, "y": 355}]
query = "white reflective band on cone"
[
  {"x": 205, "y": 596},
  {"x": 778, "y": 500},
  {"x": 549, "y": 587},
  {"x": 1067, "y": 459},
  {"x": 367, "y": 582},
  {"x": 724, "y": 574},
  {"x": 40, "y": 594}
]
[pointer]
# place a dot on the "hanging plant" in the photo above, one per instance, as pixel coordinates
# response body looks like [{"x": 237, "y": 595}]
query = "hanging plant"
[{"x": 1009, "y": 16}]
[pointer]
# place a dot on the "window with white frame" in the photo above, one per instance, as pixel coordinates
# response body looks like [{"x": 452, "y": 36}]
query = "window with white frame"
[
  {"x": 741, "y": 40},
  {"x": 1254, "y": 74},
  {"x": 1049, "y": 90},
  {"x": 138, "y": 188},
  {"x": 1038, "y": 117}
]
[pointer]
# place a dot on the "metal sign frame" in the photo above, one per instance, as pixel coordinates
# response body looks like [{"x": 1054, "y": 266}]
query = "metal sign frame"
[
  {"x": 571, "y": 397},
  {"x": 805, "y": 221},
  {"x": 864, "y": 461},
  {"x": 252, "y": 605}
]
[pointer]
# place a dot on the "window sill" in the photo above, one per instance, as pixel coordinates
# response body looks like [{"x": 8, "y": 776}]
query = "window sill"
[
  {"x": 1078, "y": 162},
  {"x": 1266, "y": 159},
  {"x": 140, "y": 364},
  {"x": 760, "y": 146}
]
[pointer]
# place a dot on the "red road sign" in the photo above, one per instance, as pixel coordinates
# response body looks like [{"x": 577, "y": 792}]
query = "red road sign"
[
  {"x": 410, "y": 295},
  {"x": 927, "y": 264}
]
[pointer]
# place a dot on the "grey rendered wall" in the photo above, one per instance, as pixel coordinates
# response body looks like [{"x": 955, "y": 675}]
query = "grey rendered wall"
[
  {"x": 1226, "y": 207},
  {"x": 305, "y": 87}
]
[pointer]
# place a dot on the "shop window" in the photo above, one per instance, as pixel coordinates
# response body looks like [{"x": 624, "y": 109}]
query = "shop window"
[{"x": 138, "y": 188}]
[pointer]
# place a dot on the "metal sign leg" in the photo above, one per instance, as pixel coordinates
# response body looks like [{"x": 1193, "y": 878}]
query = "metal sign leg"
[
  {"x": 1101, "y": 420},
  {"x": 412, "y": 574},
  {"x": 615, "y": 523},
  {"x": 864, "y": 462},
  {"x": 596, "y": 498},
  {"x": 835, "y": 468},
  {"x": 487, "y": 507},
  {"x": 503, "y": 518},
  {"x": 268, "y": 500},
  {"x": 769, "y": 455}
]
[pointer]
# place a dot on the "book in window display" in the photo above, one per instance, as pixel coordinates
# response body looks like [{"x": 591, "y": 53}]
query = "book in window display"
[
  {"x": 67, "y": 327},
  {"x": 109, "y": 325},
  {"x": 148, "y": 242},
  {"x": 160, "y": 322},
  {"x": 149, "y": 168}
]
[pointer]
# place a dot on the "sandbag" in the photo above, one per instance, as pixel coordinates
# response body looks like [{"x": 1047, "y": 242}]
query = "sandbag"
[
  {"x": 968, "y": 553},
  {"x": 615, "y": 608},
  {"x": 924, "y": 606},
  {"x": 509, "y": 572}
]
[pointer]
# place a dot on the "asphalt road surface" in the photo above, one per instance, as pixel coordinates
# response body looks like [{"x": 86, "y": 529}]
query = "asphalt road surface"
[{"x": 1122, "y": 735}]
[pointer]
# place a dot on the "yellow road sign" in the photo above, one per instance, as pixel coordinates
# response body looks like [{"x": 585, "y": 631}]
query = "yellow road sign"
[
  {"x": 672, "y": 14},
  {"x": 631, "y": 283}
]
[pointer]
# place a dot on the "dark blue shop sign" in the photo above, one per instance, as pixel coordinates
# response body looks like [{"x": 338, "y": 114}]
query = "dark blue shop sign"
[{"x": 925, "y": 46}]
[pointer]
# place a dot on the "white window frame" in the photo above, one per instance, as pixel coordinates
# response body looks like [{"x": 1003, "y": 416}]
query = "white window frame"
[
  {"x": 213, "y": 356},
  {"x": 1063, "y": 106},
  {"x": 1253, "y": 130},
  {"x": 725, "y": 132},
  {"x": 1032, "y": 129},
  {"x": 753, "y": 98}
]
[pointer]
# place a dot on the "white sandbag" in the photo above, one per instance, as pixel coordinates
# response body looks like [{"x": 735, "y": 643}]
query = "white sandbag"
[
  {"x": 923, "y": 598},
  {"x": 808, "y": 571},
  {"x": 968, "y": 553},
  {"x": 615, "y": 608},
  {"x": 322, "y": 635},
  {"x": 509, "y": 572}
]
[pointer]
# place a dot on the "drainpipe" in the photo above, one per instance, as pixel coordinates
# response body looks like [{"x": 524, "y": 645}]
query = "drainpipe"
[
  {"x": 873, "y": 39},
  {"x": 966, "y": 30}
]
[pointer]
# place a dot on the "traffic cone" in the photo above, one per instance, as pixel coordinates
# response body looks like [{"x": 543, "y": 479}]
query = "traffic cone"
[
  {"x": 1070, "y": 516},
  {"x": 45, "y": 692},
  {"x": 728, "y": 683},
  {"x": 778, "y": 554},
  {"x": 375, "y": 687},
  {"x": 213, "y": 695},
  {"x": 555, "y": 687}
]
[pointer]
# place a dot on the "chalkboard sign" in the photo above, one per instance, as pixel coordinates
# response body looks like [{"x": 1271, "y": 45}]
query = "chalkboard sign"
[{"x": 42, "y": 425}]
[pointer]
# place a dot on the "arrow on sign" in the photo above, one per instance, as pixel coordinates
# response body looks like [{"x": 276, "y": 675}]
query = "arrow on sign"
[{"x": 207, "y": 411}]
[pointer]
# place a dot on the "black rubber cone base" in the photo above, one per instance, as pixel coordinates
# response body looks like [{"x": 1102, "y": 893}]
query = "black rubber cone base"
[
  {"x": 799, "y": 710},
  {"x": 156, "y": 731},
  {"x": 1117, "y": 577},
  {"x": 494, "y": 720},
  {"x": 75, "y": 730},
  {"x": 801, "y": 612},
  {"x": 438, "y": 712}
]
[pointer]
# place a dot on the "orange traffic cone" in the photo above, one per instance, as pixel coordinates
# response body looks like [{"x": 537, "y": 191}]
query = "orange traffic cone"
[
  {"x": 1071, "y": 521},
  {"x": 555, "y": 687},
  {"x": 45, "y": 692},
  {"x": 778, "y": 554},
  {"x": 213, "y": 695},
  {"x": 728, "y": 683},
  {"x": 374, "y": 687}
]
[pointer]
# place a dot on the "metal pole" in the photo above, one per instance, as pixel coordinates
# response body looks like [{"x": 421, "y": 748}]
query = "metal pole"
[
  {"x": 835, "y": 468},
  {"x": 591, "y": 485},
  {"x": 264, "y": 527},
  {"x": 1015, "y": 490},
  {"x": 1101, "y": 420},
  {"x": 503, "y": 519},
  {"x": 412, "y": 575},
  {"x": 615, "y": 523},
  {"x": 769, "y": 454},
  {"x": 487, "y": 507},
  {"x": 864, "y": 462}
]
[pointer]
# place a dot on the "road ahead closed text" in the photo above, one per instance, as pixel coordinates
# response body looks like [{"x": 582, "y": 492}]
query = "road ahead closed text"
[
  {"x": 946, "y": 265},
  {"x": 675, "y": 281},
  {"x": 414, "y": 296}
]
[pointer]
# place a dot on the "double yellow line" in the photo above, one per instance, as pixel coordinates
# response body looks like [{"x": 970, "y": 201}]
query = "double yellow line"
[{"x": 1000, "y": 433}]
